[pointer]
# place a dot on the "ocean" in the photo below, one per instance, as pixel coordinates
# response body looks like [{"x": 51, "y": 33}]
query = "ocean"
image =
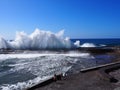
[
  {"x": 20, "y": 71},
  {"x": 99, "y": 42},
  {"x": 31, "y": 59}
]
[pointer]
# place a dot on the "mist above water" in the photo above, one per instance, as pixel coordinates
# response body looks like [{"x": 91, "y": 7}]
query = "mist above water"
[
  {"x": 37, "y": 40},
  {"x": 40, "y": 39}
]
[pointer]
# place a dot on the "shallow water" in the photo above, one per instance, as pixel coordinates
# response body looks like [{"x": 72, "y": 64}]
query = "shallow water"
[{"x": 19, "y": 71}]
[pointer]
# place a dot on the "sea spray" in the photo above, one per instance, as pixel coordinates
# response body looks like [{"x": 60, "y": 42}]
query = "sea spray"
[
  {"x": 77, "y": 43},
  {"x": 3, "y": 43},
  {"x": 26, "y": 70},
  {"x": 39, "y": 39},
  {"x": 86, "y": 45}
]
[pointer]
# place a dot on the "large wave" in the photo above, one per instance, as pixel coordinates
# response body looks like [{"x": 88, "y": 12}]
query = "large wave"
[
  {"x": 39, "y": 39},
  {"x": 85, "y": 45},
  {"x": 3, "y": 43}
]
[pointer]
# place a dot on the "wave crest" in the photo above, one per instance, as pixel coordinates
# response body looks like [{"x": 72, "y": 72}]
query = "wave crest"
[{"x": 39, "y": 39}]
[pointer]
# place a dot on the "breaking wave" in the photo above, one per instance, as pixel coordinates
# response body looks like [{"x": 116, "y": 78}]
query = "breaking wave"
[
  {"x": 77, "y": 44},
  {"x": 39, "y": 39},
  {"x": 3, "y": 43},
  {"x": 88, "y": 45}
]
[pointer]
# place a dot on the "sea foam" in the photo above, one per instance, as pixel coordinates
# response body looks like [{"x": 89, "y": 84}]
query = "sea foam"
[
  {"x": 39, "y": 39},
  {"x": 86, "y": 45},
  {"x": 43, "y": 66},
  {"x": 3, "y": 43}
]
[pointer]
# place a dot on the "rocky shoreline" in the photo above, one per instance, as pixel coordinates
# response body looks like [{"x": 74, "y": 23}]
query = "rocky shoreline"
[
  {"x": 90, "y": 80},
  {"x": 93, "y": 50}
]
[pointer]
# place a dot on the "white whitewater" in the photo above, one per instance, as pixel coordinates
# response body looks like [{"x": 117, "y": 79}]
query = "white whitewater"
[
  {"x": 38, "y": 66},
  {"x": 3, "y": 43},
  {"x": 43, "y": 66},
  {"x": 88, "y": 45},
  {"x": 77, "y": 44},
  {"x": 39, "y": 39}
]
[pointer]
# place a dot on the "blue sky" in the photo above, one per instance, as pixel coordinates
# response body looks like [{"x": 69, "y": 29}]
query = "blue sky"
[{"x": 79, "y": 18}]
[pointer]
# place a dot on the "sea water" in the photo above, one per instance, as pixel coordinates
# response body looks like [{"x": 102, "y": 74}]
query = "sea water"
[
  {"x": 100, "y": 42},
  {"x": 20, "y": 70}
]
